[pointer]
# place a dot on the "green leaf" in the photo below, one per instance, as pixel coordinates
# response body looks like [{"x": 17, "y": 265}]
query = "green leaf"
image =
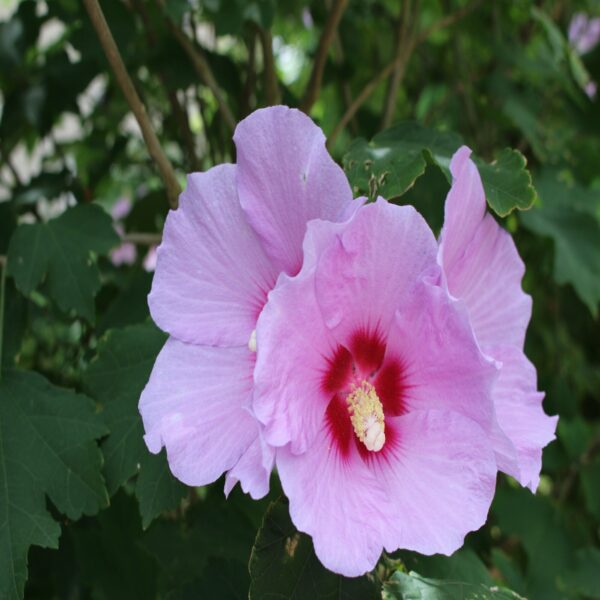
[
  {"x": 390, "y": 164},
  {"x": 568, "y": 215},
  {"x": 156, "y": 489},
  {"x": 464, "y": 565},
  {"x": 109, "y": 554},
  {"x": 116, "y": 379},
  {"x": 284, "y": 565},
  {"x": 584, "y": 578},
  {"x": 542, "y": 532},
  {"x": 507, "y": 182},
  {"x": 60, "y": 251},
  {"x": 47, "y": 448},
  {"x": 412, "y": 586}
]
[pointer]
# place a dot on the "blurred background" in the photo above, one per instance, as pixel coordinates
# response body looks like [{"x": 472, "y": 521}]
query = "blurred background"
[{"x": 82, "y": 204}]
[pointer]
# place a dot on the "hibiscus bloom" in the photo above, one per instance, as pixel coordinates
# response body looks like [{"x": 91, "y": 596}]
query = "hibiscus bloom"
[
  {"x": 371, "y": 379},
  {"x": 236, "y": 229}
]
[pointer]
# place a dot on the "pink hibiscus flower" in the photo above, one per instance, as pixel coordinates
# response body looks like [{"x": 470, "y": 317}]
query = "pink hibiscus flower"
[
  {"x": 392, "y": 388},
  {"x": 236, "y": 229}
]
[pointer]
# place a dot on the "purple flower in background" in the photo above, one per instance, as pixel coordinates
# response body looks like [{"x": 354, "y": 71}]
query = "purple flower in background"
[
  {"x": 483, "y": 269},
  {"x": 236, "y": 229},
  {"x": 126, "y": 253},
  {"x": 584, "y": 32},
  {"x": 149, "y": 262}
]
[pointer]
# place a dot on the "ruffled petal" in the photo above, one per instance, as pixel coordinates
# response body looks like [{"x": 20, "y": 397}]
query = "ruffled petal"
[
  {"x": 520, "y": 413},
  {"x": 338, "y": 502},
  {"x": 293, "y": 347},
  {"x": 440, "y": 475},
  {"x": 372, "y": 268},
  {"x": 196, "y": 405},
  {"x": 442, "y": 365},
  {"x": 253, "y": 470},
  {"x": 480, "y": 261},
  {"x": 286, "y": 178},
  {"x": 212, "y": 274}
]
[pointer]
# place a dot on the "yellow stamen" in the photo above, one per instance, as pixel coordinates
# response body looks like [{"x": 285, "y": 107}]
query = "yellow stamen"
[{"x": 366, "y": 414}]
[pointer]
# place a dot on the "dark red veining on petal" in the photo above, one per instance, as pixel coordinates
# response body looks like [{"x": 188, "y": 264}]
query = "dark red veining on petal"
[
  {"x": 339, "y": 371},
  {"x": 390, "y": 383},
  {"x": 368, "y": 350},
  {"x": 364, "y": 361},
  {"x": 339, "y": 424}
]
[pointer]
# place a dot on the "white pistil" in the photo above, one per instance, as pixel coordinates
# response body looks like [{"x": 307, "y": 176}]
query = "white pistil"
[
  {"x": 366, "y": 414},
  {"x": 252, "y": 341}
]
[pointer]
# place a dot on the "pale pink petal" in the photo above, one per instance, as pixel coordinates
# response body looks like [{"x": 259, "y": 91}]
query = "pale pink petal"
[
  {"x": 196, "y": 405},
  {"x": 337, "y": 501},
  {"x": 443, "y": 367},
  {"x": 289, "y": 399},
  {"x": 212, "y": 275},
  {"x": 372, "y": 267},
  {"x": 520, "y": 413},
  {"x": 286, "y": 178},
  {"x": 480, "y": 261},
  {"x": 293, "y": 344},
  {"x": 253, "y": 470},
  {"x": 440, "y": 475}
]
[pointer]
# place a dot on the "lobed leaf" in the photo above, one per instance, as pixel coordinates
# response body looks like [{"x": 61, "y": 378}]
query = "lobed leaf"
[
  {"x": 393, "y": 160},
  {"x": 60, "y": 252},
  {"x": 47, "y": 449}
]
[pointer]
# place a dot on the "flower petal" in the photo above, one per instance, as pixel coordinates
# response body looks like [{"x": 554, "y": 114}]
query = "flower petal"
[
  {"x": 520, "y": 413},
  {"x": 443, "y": 367},
  {"x": 480, "y": 261},
  {"x": 293, "y": 346},
  {"x": 440, "y": 476},
  {"x": 338, "y": 502},
  {"x": 286, "y": 178},
  {"x": 372, "y": 268},
  {"x": 212, "y": 275},
  {"x": 253, "y": 470},
  {"x": 196, "y": 405}
]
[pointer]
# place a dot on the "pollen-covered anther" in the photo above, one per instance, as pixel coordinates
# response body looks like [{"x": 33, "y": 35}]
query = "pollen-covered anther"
[
  {"x": 366, "y": 414},
  {"x": 252, "y": 341}
]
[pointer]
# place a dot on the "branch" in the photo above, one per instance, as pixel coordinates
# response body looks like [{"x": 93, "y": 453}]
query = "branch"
[
  {"x": 402, "y": 40},
  {"x": 142, "y": 239},
  {"x": 272, "y": 94},
  {"x": 448, "y": 20},
  {"x": 316, "y": 77},
  {"x": 399, "y": 62},
  {"x": 118, "y": 67},
  {"x": 202, "y": 68},
  {"x": 248, "y": 93},
  {"x": 179, "y": 111}
]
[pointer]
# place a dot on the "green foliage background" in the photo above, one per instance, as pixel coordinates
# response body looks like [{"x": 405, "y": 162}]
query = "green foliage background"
[{"x": 85, "y": 511}]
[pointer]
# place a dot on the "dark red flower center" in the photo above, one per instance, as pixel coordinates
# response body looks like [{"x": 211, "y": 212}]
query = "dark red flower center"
[{"x": 365, "y": 372}]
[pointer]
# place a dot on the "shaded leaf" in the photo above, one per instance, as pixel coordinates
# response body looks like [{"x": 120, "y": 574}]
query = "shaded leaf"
[
  {"x": 60, "y": 251},
  {"x": 156, "y": 489},
  {"x": 47, "y": 448},
  {"x": 283, "y": 564},
  {"x": 568, "y": 215},
  {"x": 412, "y": 586},
  {"x": 116, "y": 378},
  {"x": 391, "y": 162}
]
